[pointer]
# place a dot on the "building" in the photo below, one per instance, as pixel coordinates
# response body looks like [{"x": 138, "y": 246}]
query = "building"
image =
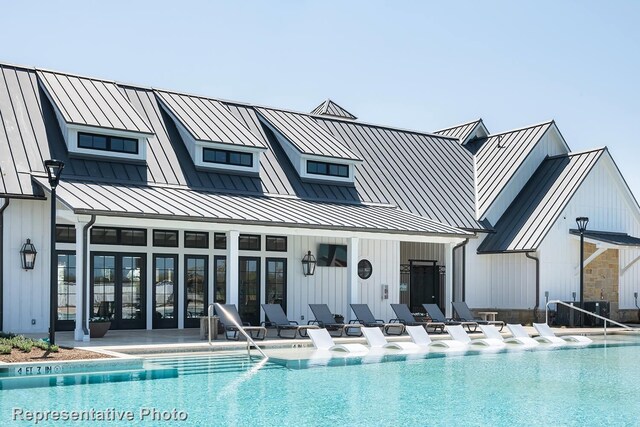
[{"x": 169, "y": 202}]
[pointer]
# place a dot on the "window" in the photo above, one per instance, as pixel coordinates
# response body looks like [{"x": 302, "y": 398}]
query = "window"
[
  {"x": 65, "y": 234},
  {"x": 194, "y": 239},
  {"x": 249, "y": 242},
  {"x": 108, "y": 143},
  {"x": 165, "y": 238},
  {"x": 276, "y": 243},
  {"x": 66, "y": 287},
  {"x": 219, "y": 241},
  {"x": 119, "y": 236},
  {"x": 276, "y": 284},
  {"x": 220, "y": 279},
  {"x": 225, "y": 157},
  {"x": 328, "y": 169}
]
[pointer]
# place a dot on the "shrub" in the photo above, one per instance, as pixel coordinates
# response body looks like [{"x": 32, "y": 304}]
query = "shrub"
[{"x": 5, "y": 349}]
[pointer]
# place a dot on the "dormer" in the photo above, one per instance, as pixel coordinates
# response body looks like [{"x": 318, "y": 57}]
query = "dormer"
[
  {"x": 215, "y": 139},
  {"x": 95, "y": 117},
  {"x": 314, "y": 152}
]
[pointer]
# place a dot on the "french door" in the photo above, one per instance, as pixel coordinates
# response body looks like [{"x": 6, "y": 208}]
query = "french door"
[
  {"x": 249, "y": 289},
  {"x": 118, "y": 289},
  {"x": 276, "y": 282},
  {"x": 196, "y": 283},
  {"x": 165, "y": 291},
  {"x": 67, "y": 304}
]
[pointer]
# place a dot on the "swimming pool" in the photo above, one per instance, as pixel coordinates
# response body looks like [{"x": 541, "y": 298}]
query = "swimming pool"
[{"x": 589, "y": 386}]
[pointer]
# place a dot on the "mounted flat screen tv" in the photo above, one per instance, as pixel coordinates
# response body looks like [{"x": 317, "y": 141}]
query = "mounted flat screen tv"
[{"x": 332, "y": 255}]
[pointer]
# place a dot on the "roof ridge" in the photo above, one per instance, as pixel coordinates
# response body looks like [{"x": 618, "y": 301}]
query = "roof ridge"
[
  {"x": 478, "y": 120},
  {"x": 548, "y": 122},
  {"x": 578, "y": 153}
]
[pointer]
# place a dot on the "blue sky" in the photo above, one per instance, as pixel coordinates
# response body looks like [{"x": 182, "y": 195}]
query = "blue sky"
[{"x": 420, "y": 65}]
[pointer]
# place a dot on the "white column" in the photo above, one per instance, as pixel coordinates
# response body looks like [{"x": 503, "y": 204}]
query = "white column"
[
  {"x": 149, "y": 277},
  {"x": 353, "y": 291},
  {"x": 182, "y": 288},
  {"x": 448, "y": 278},
  {"x": 232, "y": 267},
  {"x": 81, "y": 275}
]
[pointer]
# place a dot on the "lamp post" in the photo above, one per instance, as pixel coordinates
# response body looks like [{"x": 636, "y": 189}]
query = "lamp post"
[
  {"x": 54, "y": 170},
  {"x": 582, "y": 222}
]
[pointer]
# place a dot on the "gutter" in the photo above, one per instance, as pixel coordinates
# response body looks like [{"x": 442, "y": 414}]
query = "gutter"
[
  {"x": 4, "y": 206},
  {"x": 537, "y": 307},
  {"x": 453, "y": 268},
  {"x": 85, "y": 275}
]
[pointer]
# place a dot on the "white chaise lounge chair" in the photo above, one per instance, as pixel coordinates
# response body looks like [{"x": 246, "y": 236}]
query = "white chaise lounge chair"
[
  {"x": 492, "y": 332},
  {"x": 376, "y": 339},
  {"x": 459, "y": 334},
  {"x": 547, "y": 335},
  {"x": 323, "y": 341},
  {"x": 420, "y": 337},
  {"x": 520, "y": 335}
]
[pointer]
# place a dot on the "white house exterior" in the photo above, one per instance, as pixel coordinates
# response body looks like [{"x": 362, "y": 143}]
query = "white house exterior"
[{"x": 169, "y": 202}]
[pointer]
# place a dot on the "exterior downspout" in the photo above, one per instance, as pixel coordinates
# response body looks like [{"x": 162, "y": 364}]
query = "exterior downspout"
[
  {"x": 453, "y": 268},
  {"x": 4, "y": 206},
  {"x": 537, "y": 307},
  {"x": 85, "y": 275}
]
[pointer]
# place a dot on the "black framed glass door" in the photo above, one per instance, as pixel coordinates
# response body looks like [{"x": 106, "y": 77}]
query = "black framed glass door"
[
  {"x": 276, "y": 282},
  {"x": 67, "y": 304},
  {"x": 165, "y": 291},
  {"x": 220, "y": 279},
  {"x": 118, "y": 289},
  {"x": 424, "y": 285},
  {"x": 249, "y": 289},
  {"x": 196, "y": 283}
]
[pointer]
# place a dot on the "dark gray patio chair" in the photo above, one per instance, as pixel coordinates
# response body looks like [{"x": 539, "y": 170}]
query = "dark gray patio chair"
[
  {"x": 228, "y": 314},
  {"x": 324, "y": 319},
  {"x": 462, "y": 311},
  {"x": 437, "y": 316},
  {"x": 365, "y": 317},
  {"x": 404, "y": 316},
  {"x": 278, "y": 318}
]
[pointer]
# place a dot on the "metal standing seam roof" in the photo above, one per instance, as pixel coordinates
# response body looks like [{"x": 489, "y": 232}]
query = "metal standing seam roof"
[
  {"x": 330, "y": 108},
  {"x": 91, "y": 102},
  {"x": 461, "y": 132},
  {"x": 187, "y": 204},
  {"x": 208, "y": 120},
  {"x": 528, "y": 219},
  {"x": 499, "y": 157},
  {"x": 618, "y": 239},
  {"x": 306, "y": 135}
]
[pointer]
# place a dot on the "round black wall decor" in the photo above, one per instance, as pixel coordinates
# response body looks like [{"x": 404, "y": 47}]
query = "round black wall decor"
[{"x": 364, "y": 269}]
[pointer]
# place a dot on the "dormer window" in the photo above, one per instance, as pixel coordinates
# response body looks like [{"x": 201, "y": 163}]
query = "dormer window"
[
  {"x": 227, "y": 157},
  {"x": 107, "y": 143},
  {"x": 327, "y": 169}
]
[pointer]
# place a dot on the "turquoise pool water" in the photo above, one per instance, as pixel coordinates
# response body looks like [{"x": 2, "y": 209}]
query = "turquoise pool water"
[{"x": 590, "y": 386}]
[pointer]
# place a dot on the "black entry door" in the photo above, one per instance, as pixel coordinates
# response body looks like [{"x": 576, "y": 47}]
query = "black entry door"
[
  {"x": 424, "y": 285},
  {"x": 196, "y": 284},
  {"x": 118, "y": 289},
  {"x": 67, "y": 304},
  {"x": 249, "y": 290},
  {"x": 165, "y": 291}
]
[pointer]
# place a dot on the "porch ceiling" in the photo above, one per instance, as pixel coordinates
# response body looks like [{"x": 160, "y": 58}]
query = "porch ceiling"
[{"x": 181, "y": 203}]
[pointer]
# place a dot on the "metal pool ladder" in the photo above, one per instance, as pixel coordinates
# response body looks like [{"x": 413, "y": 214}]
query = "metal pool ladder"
[
  {"x": 250, "y": 340},
  {"x": 573, "y": 307}
]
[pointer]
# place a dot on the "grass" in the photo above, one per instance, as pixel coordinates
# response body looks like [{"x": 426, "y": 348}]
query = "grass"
[{"x": 8, "y": 342}]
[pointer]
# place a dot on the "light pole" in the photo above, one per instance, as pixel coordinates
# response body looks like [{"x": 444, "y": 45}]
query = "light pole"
[
  {"x": 582, "y": 222},
  {"x": 54, "y": 170}
]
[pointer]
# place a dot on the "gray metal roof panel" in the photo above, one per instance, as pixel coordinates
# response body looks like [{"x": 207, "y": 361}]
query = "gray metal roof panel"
[
  {"x": 330, "y": 108},
  {"x": 208, "y": 120},
  {"x": 619, "y": 239},
  {"x": 461, "y": 132},
  {"x": 306, "y": 135},
  {"x": 91, "y": 102},
  {"x": 528, "y": 219},
  {"x": 499, "y": 157},
  {"x": 128, "y": 200}
]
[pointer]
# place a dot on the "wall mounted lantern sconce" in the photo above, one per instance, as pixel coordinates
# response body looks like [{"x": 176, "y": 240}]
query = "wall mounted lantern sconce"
[
  {"x": 309, "y": 264},
  {"x": 28, "y": 255}
]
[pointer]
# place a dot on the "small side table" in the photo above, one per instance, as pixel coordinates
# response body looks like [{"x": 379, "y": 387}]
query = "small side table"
[{"x": 489, "y": 316}]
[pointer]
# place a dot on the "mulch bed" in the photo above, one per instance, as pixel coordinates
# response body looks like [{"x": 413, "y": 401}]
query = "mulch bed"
[{"x": 39, "y": 355}]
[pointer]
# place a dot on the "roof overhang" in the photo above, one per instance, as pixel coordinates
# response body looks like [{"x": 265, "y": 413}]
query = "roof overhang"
[{"x": 608, "y": 238}]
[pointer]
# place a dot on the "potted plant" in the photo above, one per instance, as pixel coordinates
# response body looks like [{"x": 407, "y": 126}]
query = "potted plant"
[{"x": 98, "y": 326}]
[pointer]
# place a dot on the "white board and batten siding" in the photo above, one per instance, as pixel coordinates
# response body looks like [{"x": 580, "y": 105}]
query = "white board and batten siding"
[
  {"x": 604, "y": 199},
  {"x": 329, "y": 284},
  {"x": 550, "y": 144},
  {"x": 26, "y": 292}
]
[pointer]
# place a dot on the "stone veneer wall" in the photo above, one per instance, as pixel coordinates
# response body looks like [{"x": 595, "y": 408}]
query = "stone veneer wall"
[{"x": 602, "y": 275}]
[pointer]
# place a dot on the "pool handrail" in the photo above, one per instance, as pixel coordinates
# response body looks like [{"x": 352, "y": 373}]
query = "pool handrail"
[
  {"x": 573, "y": 307},
  {"x": 250, "y": 340}
]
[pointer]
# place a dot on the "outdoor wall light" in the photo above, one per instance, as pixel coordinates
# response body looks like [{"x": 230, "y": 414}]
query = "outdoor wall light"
[
  {"x": 309, "y": 264},
  {"x": 28, "y": 255}
]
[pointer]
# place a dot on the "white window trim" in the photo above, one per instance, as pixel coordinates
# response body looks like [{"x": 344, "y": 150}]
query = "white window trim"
[{"x": 72, "y": 143}]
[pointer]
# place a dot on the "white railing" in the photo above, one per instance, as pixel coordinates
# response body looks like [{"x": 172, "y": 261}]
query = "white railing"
[
  {"x": 250, "y": 340},
  {"x": 573, "y": 307}
]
